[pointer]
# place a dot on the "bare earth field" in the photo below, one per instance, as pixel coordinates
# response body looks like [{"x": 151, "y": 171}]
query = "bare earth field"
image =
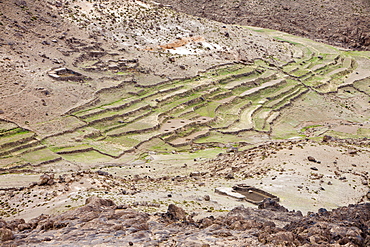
[{"x": 121, "y": 122}]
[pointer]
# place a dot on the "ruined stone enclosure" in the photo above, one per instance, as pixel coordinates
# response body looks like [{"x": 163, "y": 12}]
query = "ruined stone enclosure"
[
  {"x": 252, "y": 194},
  {"x": 65, "y": 74}
]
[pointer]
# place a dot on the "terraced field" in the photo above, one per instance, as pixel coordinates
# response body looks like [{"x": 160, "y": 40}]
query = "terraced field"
[{"x": 224, "y": 105}]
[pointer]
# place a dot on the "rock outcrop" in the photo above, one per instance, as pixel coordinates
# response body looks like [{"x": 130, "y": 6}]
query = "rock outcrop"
[{"x": 102, "y": 222}]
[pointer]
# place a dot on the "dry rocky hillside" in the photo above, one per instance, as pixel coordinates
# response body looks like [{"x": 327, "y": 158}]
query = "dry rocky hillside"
[
  {"x": 340, "y": 22},
  {"x": 128, "y": 123}
]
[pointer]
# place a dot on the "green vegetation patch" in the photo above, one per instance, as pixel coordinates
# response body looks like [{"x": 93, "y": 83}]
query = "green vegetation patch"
[
  {"x": 90, "y": 157},
  {"x": 310, "y": 127},
  {"x": 6, "y": 126},
  {"x": 363, "y": 86},
  {"x": 40, "y": 156}
]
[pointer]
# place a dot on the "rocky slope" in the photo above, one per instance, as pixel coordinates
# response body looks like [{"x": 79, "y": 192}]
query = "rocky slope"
[
  {"x": 103, "y": 223},
  {"x": 341, "y": 23}
]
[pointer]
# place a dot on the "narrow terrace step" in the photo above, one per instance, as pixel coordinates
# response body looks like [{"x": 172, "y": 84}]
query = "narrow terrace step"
[
  {"x": 245, "y": 121},
  {"x": 89, "y": 112},
  {"x": 10, "y": 132},
  {"x": 181, "y": 92},
  {"x": 301, "y": 72},
  {"x": 307, "y": 54},
  {"x": 208, "y": 110},
  {"x": 183, "y": 141},
  {"x": 148, "y": 123},
  {"x": 115, "y": 106},
  {"x": 109, "y": 115},
  {"x": 283, "y": 90},
  {"x": 37, "y": 147},
  {"x": 74, "y": 149},
  {"x": 41, "y": 157},
  {"x": 106, "y": 127},
  {"x": 129, "y": 142},
  {"x": 195, "y": 103},
  {"x": 235, "y": 108},
  {"x": 188, "y": 114},
  {"x": 272, "y": 117},
  {"x": 347, "y": 62},
  {"x": 263, "y": 86},
  {"x": 297, "y": 52},
  {"x": 239, "y": 74},
  {"x": 338, "y": 72},
  {"x": 16, "y": 139},
  {"x": 7, "y": 126},
  {"x": 19, "y": 148},
  {"x": 108, "y": 148},
  {"x": 269, "y": 74},
  {"x": 180, "y": 105},
  {"x": 322, "y": 64},
  {"x": 323, "y": 77},
  {"x": 289, "y": 100},
  {"x": 123, "y": 103},
  {"x": 221, "y": 95},
  {"x": 260, "y": 117},
  {"x": 278, "y": 100},
  {"x": 173, "y": 125}
]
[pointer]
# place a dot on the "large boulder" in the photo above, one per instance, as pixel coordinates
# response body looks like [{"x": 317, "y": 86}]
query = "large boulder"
[
  {"x": 95, "y": 201},
  {"x": 6, "y": 234},
  {"x": 46, "y": 179},
  {"x": 271, "y": 204},
  {"x": 175, "y": 213},
  {"x": 93, "y": 207}
]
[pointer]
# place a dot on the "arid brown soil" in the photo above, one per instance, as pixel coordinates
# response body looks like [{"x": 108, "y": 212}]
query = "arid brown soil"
[{"x": 340, "y": 22}]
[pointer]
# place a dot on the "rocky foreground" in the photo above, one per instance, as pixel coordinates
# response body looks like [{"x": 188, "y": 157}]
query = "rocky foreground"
[{"x": 100, "y": 222}]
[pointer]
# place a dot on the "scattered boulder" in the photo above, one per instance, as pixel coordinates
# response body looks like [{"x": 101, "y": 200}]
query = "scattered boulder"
[
  {"x": 322, "y": 211},
  {"x": 6, "y": 234},
  {"x": 232, "y": 150},
  {"x": 282, "y": 239},
  {"x": 175, "y": 213},
  {"x": 327, "y": 138},
  {"x": 46, "y": 179},
  {"x": 271, "y": 204},
  {"x": 13, "y": 224},
  {"x": 206, "y": 222},
  {"x": 312, "y": 159},
  {"x": 2, "y": 223},
  {"x": 102, "y": 173},
  {"x": 171, "y": 59},
  {"x": 97, "y": 202},
  {"x": 24, "y": 226},
  {"x": 20, "y": 3},
  {"x": 229, "y": 176}
]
